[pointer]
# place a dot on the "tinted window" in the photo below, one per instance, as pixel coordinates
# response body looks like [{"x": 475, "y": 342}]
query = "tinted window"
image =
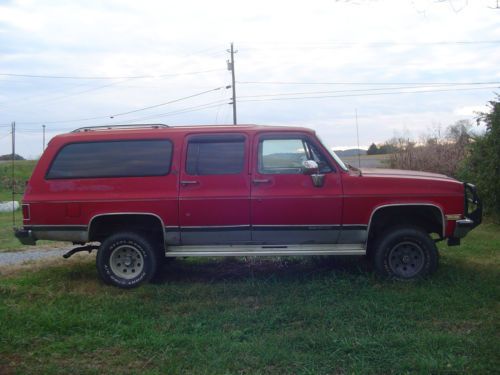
[
  {"x": 209, "y": 156},
  {"x": 112, "y": 159}
]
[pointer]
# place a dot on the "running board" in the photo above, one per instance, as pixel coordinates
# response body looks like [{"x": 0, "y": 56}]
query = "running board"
[{"x": 264, "y": 250}]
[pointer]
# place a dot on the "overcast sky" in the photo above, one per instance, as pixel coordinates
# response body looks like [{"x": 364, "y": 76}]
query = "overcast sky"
[{"x": 366, "y": 55}]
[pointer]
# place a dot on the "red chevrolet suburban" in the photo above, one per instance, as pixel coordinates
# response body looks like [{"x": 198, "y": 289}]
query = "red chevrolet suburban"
[{"x": 147, "y": 192}]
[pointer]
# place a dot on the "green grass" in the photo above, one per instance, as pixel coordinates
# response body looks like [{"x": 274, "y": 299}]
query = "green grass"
[
  {"x": 22, "y": 172},
  {"x": 7, "y": 239},
  {"x": 279, "y": 316},
  {"x": 9, "y": 243}
]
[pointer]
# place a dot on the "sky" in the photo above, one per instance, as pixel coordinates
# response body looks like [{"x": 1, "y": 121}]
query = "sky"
[{"x": 406, "y": 67}]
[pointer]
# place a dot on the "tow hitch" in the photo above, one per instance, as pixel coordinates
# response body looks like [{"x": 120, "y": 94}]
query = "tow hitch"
[{"x": 88, "y": 248}]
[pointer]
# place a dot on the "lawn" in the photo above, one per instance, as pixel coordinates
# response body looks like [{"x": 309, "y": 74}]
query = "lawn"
[
  {"x": 264, "y": 316},
  {"x": 22, "y": 173}
]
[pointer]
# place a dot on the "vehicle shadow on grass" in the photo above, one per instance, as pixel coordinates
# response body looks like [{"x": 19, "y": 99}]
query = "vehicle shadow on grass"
[{"x": 261, "y": 268}]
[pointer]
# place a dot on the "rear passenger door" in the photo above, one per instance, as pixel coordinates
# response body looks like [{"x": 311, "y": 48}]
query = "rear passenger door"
[{"x": 214, "y": 190}]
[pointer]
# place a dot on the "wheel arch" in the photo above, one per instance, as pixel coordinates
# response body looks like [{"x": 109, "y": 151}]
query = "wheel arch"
[
  {"x": 429, "y": 216},
  {"x": 129, "y": 220}
]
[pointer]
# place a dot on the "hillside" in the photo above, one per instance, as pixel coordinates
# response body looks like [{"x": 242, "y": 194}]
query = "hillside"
[{"x": 350, "y": 152}]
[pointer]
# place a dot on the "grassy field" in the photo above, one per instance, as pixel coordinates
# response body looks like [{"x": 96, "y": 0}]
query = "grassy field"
[
  {"x": 288, "y": 316},
  {"x": 22, "y": 172}
]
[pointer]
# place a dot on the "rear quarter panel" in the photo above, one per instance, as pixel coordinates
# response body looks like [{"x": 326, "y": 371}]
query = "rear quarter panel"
[{"x": 76, "y": 201}]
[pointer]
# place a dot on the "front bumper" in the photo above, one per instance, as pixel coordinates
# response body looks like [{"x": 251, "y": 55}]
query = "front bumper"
[
  {"x": 25, "y": 236},
  {"x": 462, "y": 227},
  {"x": 473, "y": 214}
]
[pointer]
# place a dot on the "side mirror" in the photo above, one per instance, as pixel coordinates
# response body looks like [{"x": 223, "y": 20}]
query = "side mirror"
[{"x": 310, "y": 167}]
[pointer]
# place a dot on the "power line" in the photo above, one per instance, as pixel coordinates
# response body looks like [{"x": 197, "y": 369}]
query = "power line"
[
  {"x": 367, "y": 94},
  {"x": 340, "y": 91},
  {"x": 344, "y": 44},
  {"x": 363, "y": 83},
  {"x": 107, "y": 77},
  {"x": 182, "y": 110},
  {"x": 65, "y": 96},
  {"x": 107, "y": 117},
  {"x": 169, "y": 102}
]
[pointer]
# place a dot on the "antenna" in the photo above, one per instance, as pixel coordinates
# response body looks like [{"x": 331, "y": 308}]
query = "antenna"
[{"x": 357, "y": 136}]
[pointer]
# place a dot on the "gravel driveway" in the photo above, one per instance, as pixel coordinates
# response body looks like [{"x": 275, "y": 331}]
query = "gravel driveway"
[{"x": 19, "y": 257}]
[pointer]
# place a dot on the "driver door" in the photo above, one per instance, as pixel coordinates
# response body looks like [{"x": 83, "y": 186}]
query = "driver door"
[{"x": 286, "y": 207}]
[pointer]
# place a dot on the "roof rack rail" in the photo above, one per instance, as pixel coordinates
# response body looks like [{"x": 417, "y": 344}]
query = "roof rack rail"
[{"x": 119, "y": 127}]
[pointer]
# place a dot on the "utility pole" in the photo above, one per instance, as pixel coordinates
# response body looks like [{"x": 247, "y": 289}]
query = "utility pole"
[
  {"x": 230, "y": 66},
  {"x": 43, "y": 148},
  {"x": 12, "y": 179}
]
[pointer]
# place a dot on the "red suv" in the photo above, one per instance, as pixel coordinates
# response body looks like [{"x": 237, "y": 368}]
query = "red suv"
[{"x": 152, "y": 191}]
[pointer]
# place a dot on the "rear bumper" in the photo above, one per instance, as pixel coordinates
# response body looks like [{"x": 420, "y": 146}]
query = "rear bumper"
[{"x": 25, "y": 236}]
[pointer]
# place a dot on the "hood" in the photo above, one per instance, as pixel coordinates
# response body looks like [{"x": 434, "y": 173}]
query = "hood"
[{"x": 375, "y": 172}]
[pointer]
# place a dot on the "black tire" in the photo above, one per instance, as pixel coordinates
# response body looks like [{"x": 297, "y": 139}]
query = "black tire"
[
  {"x": 405, "y": 253},
  {"x": 126, "y": 260}
]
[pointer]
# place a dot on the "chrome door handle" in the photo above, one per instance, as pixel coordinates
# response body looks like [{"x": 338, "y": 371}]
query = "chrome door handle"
[
  {"x": 263, "y": 181},
  {"x": 189, "y": 182}
]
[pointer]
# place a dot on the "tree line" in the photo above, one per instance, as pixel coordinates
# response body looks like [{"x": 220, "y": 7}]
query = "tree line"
[{"x": 459, "y": 151}]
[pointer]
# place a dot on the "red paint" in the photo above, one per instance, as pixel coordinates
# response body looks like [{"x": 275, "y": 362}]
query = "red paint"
[{"x": 346, "y": 197}]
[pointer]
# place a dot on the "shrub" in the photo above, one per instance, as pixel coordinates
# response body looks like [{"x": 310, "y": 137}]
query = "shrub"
[
  {"x": 439, "y": 154},
  {"x": 482, "y": 165}
]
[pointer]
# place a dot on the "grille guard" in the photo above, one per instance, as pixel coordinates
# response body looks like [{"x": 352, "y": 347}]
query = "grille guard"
[{"x": 472, "y": 198}]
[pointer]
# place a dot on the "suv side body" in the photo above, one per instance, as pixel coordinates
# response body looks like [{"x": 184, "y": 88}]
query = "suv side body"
[{"x": 233, "y": 191}]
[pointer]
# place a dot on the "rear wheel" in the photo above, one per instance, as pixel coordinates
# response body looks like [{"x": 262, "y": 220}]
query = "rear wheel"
[
  {"x": 126, "y": 260},
  {"x": 405, "y": 253}
]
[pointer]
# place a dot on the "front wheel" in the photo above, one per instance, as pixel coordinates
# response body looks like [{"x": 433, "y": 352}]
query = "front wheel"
[
  {"x": 126, "y": 260},
  {"x": 405, "y": 253}
]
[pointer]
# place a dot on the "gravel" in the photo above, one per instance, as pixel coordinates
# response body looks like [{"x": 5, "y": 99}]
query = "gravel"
[{"x": 19, "y": 257}]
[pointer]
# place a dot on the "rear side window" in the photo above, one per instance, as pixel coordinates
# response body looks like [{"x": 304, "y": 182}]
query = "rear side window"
[
  {"x": 215, "y": 155},
  {"x": 134, "y": 158}
]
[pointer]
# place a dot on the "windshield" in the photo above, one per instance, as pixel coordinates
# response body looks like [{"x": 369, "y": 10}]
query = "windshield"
[{"x": 334, "y": 155}]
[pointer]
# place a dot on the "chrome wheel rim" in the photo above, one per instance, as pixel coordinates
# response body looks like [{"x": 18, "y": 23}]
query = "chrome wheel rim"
[
  {"x": 126, "y": 261},
  {"x": 406, "y": 259}
]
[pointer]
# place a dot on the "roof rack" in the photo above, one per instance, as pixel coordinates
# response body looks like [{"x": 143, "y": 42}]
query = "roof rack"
[{"x": 119, "y": 127}]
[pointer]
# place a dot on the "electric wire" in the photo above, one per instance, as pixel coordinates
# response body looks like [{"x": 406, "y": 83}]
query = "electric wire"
[
  {"x": 106, "y": 77},
  {"x": 187, "y": 109},
  {"x": 364, "y": 83},
  {"x": 366, "y": 94},
  {"x": 344, "y": 44},
  {"x": 169, "y": 102},
  {"x": 107, "y": 117},
  {"x": 340, "y": 91}
]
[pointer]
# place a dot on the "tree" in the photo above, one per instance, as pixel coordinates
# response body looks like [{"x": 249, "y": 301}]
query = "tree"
[
  {"x": 372, "y": 150},
  {"x": 482, "y": 166}
]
